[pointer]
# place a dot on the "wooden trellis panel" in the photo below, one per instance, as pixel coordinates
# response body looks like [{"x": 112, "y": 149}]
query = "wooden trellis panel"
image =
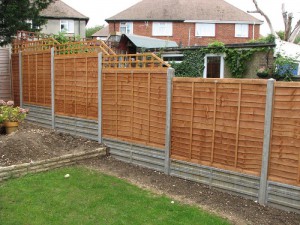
[
  {"x": 219, "y": 122},
  {"x": 284, "y": 163},
  {"x": 134, "y": 105}
]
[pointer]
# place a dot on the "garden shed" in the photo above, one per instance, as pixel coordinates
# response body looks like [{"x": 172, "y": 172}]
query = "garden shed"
[{"x": 131, "y": 44}]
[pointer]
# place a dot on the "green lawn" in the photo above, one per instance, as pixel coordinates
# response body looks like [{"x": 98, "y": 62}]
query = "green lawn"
[{"x": 90, "y": 198}]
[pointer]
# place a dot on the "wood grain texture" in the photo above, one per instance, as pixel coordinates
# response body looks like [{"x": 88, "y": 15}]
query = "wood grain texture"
[
  {"x": 219, "y": 122},
  {"x": 134, "y": 105},
  {"x": 76, "y": 86},
  {"x": 285, "y": 144}
]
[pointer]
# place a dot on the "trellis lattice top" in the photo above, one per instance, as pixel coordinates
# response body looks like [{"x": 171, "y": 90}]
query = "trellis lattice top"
[
  {"x": 34, "y": 46},
  {"x": 128, "y": 61},
  {"x": 83, "y": 47}
]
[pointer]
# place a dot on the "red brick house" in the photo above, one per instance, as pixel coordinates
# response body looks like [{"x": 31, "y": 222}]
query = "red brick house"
[{"x": 188, "y": 22}]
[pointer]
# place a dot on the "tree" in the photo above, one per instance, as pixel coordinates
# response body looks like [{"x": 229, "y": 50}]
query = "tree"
[
  {"x": 90, "y": 31},
  {"x": 289, "y": 34},
  {"x": 20, "y": 15}
]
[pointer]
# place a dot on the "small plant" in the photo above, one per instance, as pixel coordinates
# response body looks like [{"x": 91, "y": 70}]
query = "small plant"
[
  {"x": 9, "y": 113},
  {"x": 263, "y": 72}
]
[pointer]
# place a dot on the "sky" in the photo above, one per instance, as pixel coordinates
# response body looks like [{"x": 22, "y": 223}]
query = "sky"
[{"x": 99, "y": 10}]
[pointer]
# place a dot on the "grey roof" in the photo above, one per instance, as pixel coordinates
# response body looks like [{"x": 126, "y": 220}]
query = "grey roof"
[
  {"x": 181, "y": 10},
  {"x": 104, "y": 32},
  {"x": 59, "y": 9},
  {"x": 147, "y": 42}
]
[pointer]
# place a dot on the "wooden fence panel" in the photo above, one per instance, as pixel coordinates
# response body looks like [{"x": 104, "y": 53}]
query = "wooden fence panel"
[
  {"x": 15, "y": 78},
  {"x": 219, "y": 122},
  {"x": 76, "y": 86},
  {"x": 134, "y": 105},
  {"x": 36, "y": 72},
  {"x": 284, "y": 163}
]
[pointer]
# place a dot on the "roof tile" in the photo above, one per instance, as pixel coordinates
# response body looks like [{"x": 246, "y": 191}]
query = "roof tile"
[
  {"x": 59, "y": 9},
  {"x": 181, "y": 10}
]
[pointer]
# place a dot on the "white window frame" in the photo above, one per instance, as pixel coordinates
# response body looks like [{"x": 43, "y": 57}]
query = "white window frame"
[
  {"x": 241, "y": 30},
  {"x": 221, "y": 66},
  {"x": 70, "y": 26},
  {"x": 208, "y": 31},
  {"x": 128, "y": 26},
  {"x": 164, "y": 29}
]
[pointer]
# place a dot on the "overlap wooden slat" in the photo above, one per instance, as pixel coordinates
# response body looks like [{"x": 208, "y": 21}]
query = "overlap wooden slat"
[{"x": 214, "y": 125}]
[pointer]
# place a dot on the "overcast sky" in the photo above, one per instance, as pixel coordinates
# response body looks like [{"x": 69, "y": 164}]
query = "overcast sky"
[{"x": 98, "y": 11}]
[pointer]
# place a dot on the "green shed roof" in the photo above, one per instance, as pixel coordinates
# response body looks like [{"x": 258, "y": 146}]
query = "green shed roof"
[{"x": 147, "y": 42}]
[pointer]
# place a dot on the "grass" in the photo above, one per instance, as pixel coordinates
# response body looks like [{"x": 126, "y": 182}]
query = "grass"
[{"x": 90, "y": 198}]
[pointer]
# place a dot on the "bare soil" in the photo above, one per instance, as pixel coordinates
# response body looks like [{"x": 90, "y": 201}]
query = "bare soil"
[{"x": 31, "y": 143}]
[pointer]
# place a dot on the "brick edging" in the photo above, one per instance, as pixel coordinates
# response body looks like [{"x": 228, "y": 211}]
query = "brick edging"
[{"x": 48, "y": 164}]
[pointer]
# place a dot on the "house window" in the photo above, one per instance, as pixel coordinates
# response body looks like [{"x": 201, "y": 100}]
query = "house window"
[
  {"x": 241, "y": 30},
  {"x": 214, "y": 66},
  {"x": 205, "y": 30},
  {"x": 162, "y": 29},
  {"x": 172, "y": 58},
  {"x": 67, "y": 26},
  {"x": 289, "y": 68},
  {"x": 126, "y": 27},
  {"x": 33, "y": 24}
]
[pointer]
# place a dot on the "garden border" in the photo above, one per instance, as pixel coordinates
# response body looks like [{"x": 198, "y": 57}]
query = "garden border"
[{"x": 15, "y": 171}]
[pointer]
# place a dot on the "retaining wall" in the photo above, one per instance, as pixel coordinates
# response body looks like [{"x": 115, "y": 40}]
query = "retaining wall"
[{"x": 48, "y": 164}]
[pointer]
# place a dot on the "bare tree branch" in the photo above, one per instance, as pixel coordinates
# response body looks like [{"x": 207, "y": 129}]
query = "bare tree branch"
[
  {"x": 258, "y": 10},
  {"x": 287, "y": 20},
  {"x": 295, "y": 32}
]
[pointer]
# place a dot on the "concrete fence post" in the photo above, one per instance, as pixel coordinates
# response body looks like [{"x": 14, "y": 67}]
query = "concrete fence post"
[
  {"x": 52, "y": 89},
  {"x": 21, "y": 79},
  {"x": 100, "y": 98},
  {"x": 262, "y": 195},
  {"x": 170, "y": 75}
]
